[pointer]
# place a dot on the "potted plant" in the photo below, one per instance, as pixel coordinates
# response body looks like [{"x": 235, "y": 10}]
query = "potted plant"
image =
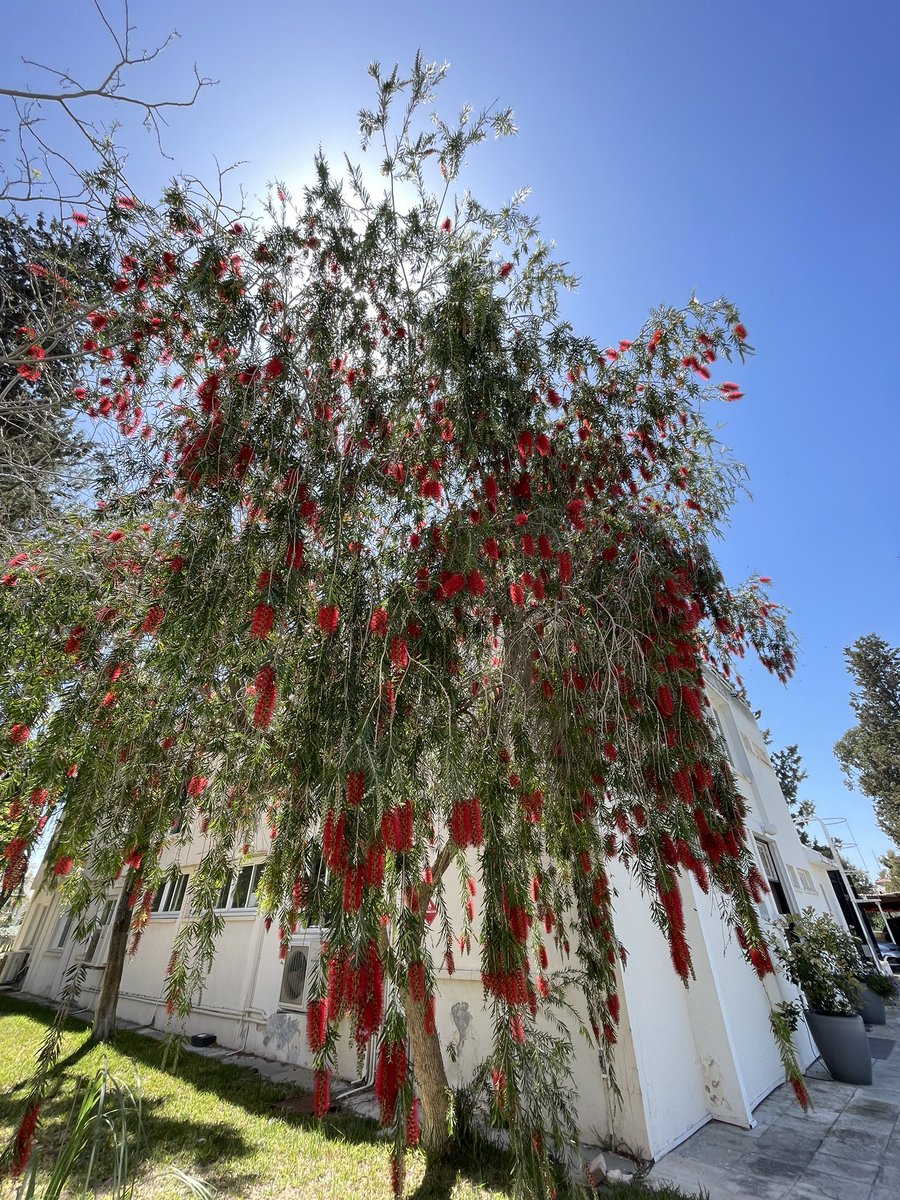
[
  {"x": 823, "y": 961},
  {"x": 876, "y": 989}
]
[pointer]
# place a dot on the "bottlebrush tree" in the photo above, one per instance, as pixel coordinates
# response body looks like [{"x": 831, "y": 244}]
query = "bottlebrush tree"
[{"x": 418, "y": 576}]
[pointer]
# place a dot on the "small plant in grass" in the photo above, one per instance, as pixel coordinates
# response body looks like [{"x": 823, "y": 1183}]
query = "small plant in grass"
[{"x": 102, "y": 1141}]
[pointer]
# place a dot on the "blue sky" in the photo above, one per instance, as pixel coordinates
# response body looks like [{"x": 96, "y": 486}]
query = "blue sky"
[{"x": 750, "y": 150}]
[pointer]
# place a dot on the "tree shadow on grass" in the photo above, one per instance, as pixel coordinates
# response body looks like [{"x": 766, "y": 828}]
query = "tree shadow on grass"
[{"x": 207, "y": 1144}]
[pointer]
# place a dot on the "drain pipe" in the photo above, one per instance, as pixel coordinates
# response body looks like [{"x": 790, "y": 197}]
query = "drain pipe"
[{"x": 366, "y": 1080}]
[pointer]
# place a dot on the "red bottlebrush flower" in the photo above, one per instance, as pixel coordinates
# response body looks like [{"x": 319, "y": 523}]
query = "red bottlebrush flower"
[
  {"x": 565, "y": 567},
  {"x": 25, "y": 1140},
  {"x": 73, "y": 645},
  {"x": 416, "y": 977},
  {"x": 115, "y": 536},
  {"x": 274, "y": 368},
  {"x": 446, "y": 224},
  {"x": 399, "y": 653},
  {"x": 610, "y": 752},
  {"x": 63, "y": 866},
  {"x": 329, "y": 615},
  {"x": 517, "y": 593},
  {"x": 542, "y": 442},
  {"x": 356, "y": 786},
  {"x": 506, "y": 270},
  {"x": 72, "y": 772},
  {"x": 293, "y": 556},
  {"x": 98, "y": 321},
  {"x": 127, "y": 202},
  {"x": 379, "y": 622},
  {"x": 108, "y": 700},
  {"x": 154, "y": 618},
  {"x": 691, "y": 701},
  {"x": 413, "y": 1131},
  {"x": 544, "y": 548},
  {"x": 491, "y": 549},
  {"x": 801, "y": 1093},
  {"x": 664, "y": 701},
  {"x": 267, "y": 697},
  {"x": 322, "y": 1093},
  {"x": 263, "y": 619},
  {"x": 740, "y": 332},
  {"x": 476, "y": 584},
  {"x": 133, "y": 858},
  {"x": 197, "y": 785},
  {"x": 80, "y": 219},
  {"x": 526, "y": 443}
]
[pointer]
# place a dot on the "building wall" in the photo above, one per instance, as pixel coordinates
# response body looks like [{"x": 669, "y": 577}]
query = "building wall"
[{"x": 682, "y": 1057}]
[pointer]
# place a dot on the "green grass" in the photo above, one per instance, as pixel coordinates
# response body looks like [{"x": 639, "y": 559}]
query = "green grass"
[{"x": 216, "y": 1121}]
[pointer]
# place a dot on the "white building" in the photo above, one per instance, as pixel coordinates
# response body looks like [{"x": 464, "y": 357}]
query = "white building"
[{"x": 684, "y": 1056}]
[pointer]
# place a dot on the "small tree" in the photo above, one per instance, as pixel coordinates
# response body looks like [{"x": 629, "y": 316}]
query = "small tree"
[
  {"x": 869, "y": 753},
  {"x": 788, "y": 766},
  {"x": 890, "y": 876},
  {"x": 420, "y": 578}
]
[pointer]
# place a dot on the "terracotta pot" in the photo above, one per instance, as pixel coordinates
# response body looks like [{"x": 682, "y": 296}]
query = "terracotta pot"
[{"x": 843, "y": 1045}]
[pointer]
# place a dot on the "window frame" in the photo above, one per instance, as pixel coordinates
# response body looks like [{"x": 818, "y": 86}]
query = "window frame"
[
  {"x": 225, "y": 903},
  {"x": 766, "y": 849},
  {"x": 171, "y": 889}
]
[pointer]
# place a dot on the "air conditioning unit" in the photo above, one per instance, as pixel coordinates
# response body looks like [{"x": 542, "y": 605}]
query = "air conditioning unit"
[
  {"x": 294, "y": 978},
  {"x": 14, "y": 969}
]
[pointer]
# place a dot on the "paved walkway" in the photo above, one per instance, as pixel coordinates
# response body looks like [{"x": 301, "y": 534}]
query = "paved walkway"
[{"x": 846, "y": 1148}]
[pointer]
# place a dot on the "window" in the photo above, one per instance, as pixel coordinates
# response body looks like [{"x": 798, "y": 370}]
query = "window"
[
  {"x": 770, "y": 871},
  {"x": 720, "y": 730},
  {"x": 239, "y": 889},
  {"x": 170, "y": 896},
  {"x": 61, "y": 931},
  {"x": 92, "y": 947},
  {"x": 293, "y": 981}
]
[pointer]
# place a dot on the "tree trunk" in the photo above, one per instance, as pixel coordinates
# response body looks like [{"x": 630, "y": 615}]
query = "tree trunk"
[
  {"x": 105, "y": 1013},
  {"x": 431, "y": 1080}
]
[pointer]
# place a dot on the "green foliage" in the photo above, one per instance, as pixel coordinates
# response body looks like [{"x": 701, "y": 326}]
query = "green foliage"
[
  {"x": 405, "y": 570},
  {"x": 884, "y": 986},
  {"x": 890, "y": 876},
  {"x": 869, "y": 753},
  {"x": 49, "y": 275},
  {"x": 788, "y": 766},
  {"x": 822, "y": 960}
]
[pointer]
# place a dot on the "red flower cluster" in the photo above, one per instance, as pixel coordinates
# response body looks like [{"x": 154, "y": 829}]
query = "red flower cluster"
[
  {"x": 19, "y": 734},
  {"x": 24, "y": 1143},
  {"x": 397, "y": 828},
  {"x": 263, "y": 619},
  {"x": 329, "y": 615},
  {"x": 266, "y": 697},
  {"x": 316, "y": 1024},
  {"x": 154, "y": 618},
  {"x": 465, "y": 823},
  {"x": 356, "y": 785},
  {"x": 322, "y": 1093},
  {"x": 390, "y": 1077}
]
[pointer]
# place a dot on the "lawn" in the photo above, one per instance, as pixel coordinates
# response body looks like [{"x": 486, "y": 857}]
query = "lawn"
[{"x": 216, "y": 1121}]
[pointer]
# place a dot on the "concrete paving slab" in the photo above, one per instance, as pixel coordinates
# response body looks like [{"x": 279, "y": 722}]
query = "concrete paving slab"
[
  {"x": 846, "y": 1148},
  {"x": 816, "y": 1185},
  {"x": 844, "y": 1168}
]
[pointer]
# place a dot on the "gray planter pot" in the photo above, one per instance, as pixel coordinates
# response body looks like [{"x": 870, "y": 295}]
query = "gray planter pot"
[
  {"x": 843, "y": 1045},
  {"x": 871, "y": 1008}
]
